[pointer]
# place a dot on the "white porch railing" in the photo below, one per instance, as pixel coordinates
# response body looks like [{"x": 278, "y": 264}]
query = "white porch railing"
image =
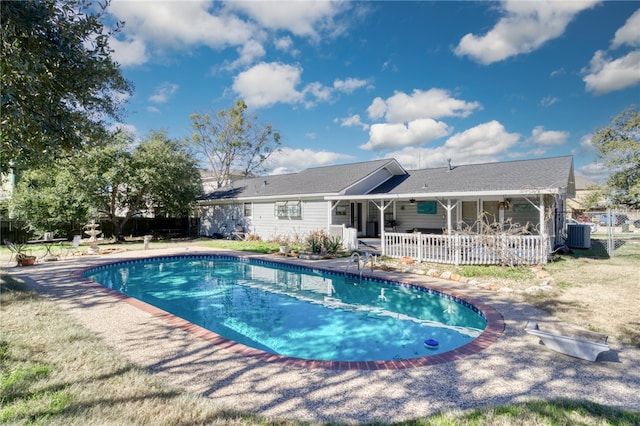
[
  {"x": 468, "y": 249},
  {"x": 349, "y": 236}
]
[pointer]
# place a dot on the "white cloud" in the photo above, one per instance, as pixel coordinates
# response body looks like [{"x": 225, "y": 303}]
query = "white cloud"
[
  {"x": 130, "y": 52},
  {"x": 525, "y": 26},
  {"x": 547, "y": 101},
  {"x": 487, "y": 139},
  {"x": 629, "y": 33},
  {"x": 163, "y": 92},
  {"x": 412, "y": 119},
  {"x": 268, "y": 83},
  {"x": 354, "y": 120},
  {"x": 394, "y": 135},
  {"x": 595, "y": 171},
  {"x": 153, "y": 27},
  {"x": 433, "y": 103},
  {"x": 294, "y": 160},
  {"x": 302, "y": 18},
  {"x": 318, "y": 92},
  {"x": 539, "y": 136},
  {"x": 283, "y": 43},
  {"x": 349, "y": 85},
  {"x": 487, "y": 142},
  {"x": 377, "y": 109},
  {"x": 605, "y": 75},
  {"x": 422, "y": 158},
  {"x": 152, "y": 109},
  {"x": 248, "y": 53},
  {"x": 586, "y": 145}
]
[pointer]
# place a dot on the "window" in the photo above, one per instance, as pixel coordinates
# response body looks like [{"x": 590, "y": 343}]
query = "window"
[
  {"x": 341, "y": 210},
  {"x": 288, "y": 209},
  {"x": 247, "y": 210}
]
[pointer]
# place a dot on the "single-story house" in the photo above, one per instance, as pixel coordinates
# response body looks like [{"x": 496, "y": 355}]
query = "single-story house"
[{"x": 381, "y": 199}]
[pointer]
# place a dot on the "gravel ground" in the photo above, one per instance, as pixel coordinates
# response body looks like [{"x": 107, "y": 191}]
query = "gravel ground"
[{"x": 514, "y": 369}]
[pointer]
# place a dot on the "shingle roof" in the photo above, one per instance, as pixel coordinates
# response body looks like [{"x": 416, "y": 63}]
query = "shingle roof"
[
  {"x": 522, "y": 175},
  {"x": 316, "y": 180}
]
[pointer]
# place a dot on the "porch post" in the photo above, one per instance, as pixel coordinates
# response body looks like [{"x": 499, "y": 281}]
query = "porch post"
[
  {"x": 449, "y": 216},
  {"x": 543, "y": 231},
  {"x": 381, "y": 209}
]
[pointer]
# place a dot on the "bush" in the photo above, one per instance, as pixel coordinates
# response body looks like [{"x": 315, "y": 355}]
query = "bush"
[
  {"x": 318, "y": 242},
  {"x": 332, "y": 244},
  {"x": 314, "y": 240}
]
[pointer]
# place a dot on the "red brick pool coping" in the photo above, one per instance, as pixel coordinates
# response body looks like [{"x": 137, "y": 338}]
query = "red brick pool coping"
[{"x": 494, "y": 329}]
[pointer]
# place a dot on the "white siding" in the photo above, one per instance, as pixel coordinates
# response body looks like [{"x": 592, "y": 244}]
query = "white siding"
[
  {"x": 268, "y": 226},
  {"x": 407, "y": 217},
  {"x": 220, "y": 219}
]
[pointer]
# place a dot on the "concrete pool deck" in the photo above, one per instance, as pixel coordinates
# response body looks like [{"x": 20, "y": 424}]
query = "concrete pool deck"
[{"x": 515, "y": 368}]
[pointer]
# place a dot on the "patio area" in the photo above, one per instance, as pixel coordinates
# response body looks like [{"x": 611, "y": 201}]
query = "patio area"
[{"x": 515, "y": 368}]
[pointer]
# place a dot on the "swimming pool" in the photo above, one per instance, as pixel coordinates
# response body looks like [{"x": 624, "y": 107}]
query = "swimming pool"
[{"x": 300, "y": 313}]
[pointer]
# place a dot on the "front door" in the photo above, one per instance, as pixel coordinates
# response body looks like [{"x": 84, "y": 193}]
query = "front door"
[
  {"x": 356, "y": 217},
  {"x": 469, "y": 214}
]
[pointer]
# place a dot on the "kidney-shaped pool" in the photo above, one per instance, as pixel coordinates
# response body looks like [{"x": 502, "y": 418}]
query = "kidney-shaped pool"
[{"x": 296, "y": 313}]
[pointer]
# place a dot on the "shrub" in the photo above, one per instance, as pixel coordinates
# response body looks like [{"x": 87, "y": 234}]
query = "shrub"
[
  {"x": 314, "y": 241},
  {"x": 318, "y": 242},
  {"x": 332, "y": 243}
]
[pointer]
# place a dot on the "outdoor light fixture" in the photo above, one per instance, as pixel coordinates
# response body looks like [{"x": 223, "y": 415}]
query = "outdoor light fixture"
[{"x": 412, "y": 201}]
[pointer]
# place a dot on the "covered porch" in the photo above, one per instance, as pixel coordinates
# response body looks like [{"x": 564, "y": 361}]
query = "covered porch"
[{"x": 508, "y": 229}]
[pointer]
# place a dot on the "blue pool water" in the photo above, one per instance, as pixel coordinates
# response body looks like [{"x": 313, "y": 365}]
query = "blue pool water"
[{"x": 298, "y": 312}]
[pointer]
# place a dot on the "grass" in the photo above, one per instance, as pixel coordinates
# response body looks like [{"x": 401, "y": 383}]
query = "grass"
[
  {"x": 492, "y": 271},
  {"x": 54, "y": 372}
]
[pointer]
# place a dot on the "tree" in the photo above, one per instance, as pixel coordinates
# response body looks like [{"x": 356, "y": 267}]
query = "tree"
[
  {"x": 59, "y": 82},
  {"x": 114, "y": 181},
  {"x": 618, "y": 145},
  {"x": 232, "y": 141},
  {"x": 49, "y": 199},
  {"x": 158, "y": 177}
]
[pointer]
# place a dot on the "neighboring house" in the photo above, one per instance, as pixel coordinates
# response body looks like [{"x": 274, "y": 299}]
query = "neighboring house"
[
  {"x": 584, "y": 188},
  {"x": 210, "y": 179},
  {"x": 7, "y": 185},
  {"x": 381, "y": 199}
]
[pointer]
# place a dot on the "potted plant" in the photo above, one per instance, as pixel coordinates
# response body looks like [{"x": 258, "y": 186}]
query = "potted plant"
[
  {"x": 22, "y": 258},
  {"x": 25, "y": 259}
]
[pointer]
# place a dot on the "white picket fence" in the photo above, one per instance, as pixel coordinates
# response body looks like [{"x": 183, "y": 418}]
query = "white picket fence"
[
  {"x": 457, "y": 249},
  {"x": 349, "y": 236}
]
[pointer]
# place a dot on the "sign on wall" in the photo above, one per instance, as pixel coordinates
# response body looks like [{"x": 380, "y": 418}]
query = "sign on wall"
[{"x": 427, "y": 207}]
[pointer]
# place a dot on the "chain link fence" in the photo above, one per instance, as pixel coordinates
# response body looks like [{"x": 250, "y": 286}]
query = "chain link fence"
[{"x": 612, "y": 228}]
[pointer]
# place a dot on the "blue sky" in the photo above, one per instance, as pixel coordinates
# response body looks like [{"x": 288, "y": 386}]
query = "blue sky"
[{"x": 421, "y": 82}]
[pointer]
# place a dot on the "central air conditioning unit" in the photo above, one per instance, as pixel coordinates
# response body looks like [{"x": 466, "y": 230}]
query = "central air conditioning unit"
[{"x": 578, "y": 236}]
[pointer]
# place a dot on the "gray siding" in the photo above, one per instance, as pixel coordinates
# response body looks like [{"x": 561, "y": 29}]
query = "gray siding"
[
  {"x": 407, "y": 217},
  {"x": 223, "y": 219}
]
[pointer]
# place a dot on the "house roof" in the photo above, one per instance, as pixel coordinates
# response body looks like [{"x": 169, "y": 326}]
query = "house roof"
[
  {"x": 547, "y": 175},
  {"x": 329, "y": 180},
  {"x": 585, "y": 184}
]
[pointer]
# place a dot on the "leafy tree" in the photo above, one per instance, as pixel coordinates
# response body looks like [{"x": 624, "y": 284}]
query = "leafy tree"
[
  {"x": 618, "y": 145},
  {"x": 50, "y": 200},
  {"x": 231, "y": 141},
  {"x": 157, "y": 177},
  {"x": 59, "y": 83}
]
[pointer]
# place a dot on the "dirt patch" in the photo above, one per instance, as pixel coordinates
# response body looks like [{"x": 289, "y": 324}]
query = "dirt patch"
[{"x": 601, "y": 295}]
